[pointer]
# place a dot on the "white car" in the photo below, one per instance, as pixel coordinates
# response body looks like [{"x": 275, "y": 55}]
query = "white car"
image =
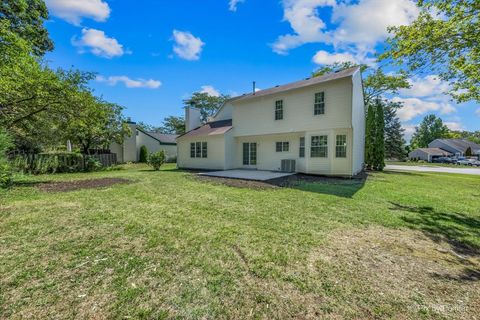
[{"x": 468, "y": 162}]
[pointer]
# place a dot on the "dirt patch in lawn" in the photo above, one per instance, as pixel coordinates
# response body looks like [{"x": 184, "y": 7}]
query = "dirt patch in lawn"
[
  {"x": 239, "y": 183},
  {"x": 64, "y": 186},
  {"x": 421, "y": 276},
  {"x": 287, "y": 182}
]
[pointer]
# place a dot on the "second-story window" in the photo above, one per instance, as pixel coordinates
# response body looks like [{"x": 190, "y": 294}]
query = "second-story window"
[
  {"x": 319, "y": 105},
  {"x": 279, "y": 110}
]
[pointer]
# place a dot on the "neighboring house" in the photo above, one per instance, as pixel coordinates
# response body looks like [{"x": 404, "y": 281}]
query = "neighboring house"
[
  {"x": 427, "y": 154},
  {"x": 312, "y": 126},
  {"x": 445, "y": 147},
  {"x": 459, "y": 147},
  {"x": 129, "y": 150}
]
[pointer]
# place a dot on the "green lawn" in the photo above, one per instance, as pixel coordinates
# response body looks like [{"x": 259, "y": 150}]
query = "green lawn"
[{"x": 167, "y": 245}]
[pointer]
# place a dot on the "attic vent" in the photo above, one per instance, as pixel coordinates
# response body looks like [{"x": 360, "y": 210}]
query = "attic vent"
[{"x": 287, "y": 165}]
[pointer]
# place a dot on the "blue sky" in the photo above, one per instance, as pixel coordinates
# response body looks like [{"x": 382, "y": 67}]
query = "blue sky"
[{"x": 150, "y": 55}]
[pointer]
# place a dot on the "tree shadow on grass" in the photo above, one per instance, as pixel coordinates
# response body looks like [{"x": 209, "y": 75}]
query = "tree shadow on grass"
[{"x": 452, "y": 227}]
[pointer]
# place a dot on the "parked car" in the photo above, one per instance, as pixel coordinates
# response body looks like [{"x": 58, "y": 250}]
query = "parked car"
[
  {"x": 476, "y": 163},
  {"x": 467, "y": 162},
  {"x": 443, "y": 160}
]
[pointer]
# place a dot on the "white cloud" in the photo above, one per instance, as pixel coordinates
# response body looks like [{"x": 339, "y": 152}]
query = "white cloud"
[
  {"x": 232, "y": 5},
  {"x": 187, "y": 46},
  {"x": 477, "y": 112},
  {"x": 413, "y": 107},
  {"x": 210, "y": 90},
  {"x": 130, "y": 83},
  {"x": 324, "y": 57},
  {"x": 365, "y": 23},
  {"x": 98, "y": 43},
  {"x": 357, "y": 27},
  {"x": 428, "y": 86},
  {"x": 74, "y": 10},
  {"x": 409, "y": 130},
  {"x": 305, "y": 22},
  {"x": 455, "y": 126}
]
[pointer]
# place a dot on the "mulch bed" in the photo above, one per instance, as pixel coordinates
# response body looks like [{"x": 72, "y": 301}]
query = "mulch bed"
[
  {"x": 288, "y": 181},
  {"x": 64, "y": 186}
]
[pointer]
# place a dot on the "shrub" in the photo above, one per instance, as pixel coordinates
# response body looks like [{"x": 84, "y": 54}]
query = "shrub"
[
  {"x": 92, "y": 164},
  {"x": 156, "y": 159},
  {"x": 143, "y": 158}
]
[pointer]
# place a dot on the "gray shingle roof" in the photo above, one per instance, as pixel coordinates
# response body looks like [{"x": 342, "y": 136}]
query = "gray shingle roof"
[
  {"x": 434, "y": 151},
  {"x": 210, "y": 129},
  {"x": 298, "y": 84},
  {"x": 167, "y": 138},
  {"x": 461, "y": 144}
]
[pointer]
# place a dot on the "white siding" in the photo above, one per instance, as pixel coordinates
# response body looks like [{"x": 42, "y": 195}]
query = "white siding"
[
  {"x": 256, "y": 116},
  {"x": 358, "y": 124},
  {"x": 330, "y": 165},
  {"x": 153, "y": 145},
  {"x": 215, "y": 155},
  {"x": 267, "y": 157},
  {"x": 230, "y": 150},
  {"x": 224, "y": 113}
]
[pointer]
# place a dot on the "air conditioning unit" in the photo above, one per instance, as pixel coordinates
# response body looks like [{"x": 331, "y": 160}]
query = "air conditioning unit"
[{"x": 287, "y": 165}]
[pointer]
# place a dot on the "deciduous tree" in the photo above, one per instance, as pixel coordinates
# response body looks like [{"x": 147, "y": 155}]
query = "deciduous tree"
[
  {"x": 207, "y": 104},
  {"x": 444, "y": 39},
  {"x": 430, "y": 128}
]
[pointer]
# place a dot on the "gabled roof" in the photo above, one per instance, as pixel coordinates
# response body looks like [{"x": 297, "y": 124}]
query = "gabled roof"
[
  {"x": 210, "y": 129},
  {"x": 161, "y": 137},
  {"x": 434, "y": 151},
  {"x": 298, "y": 84},
  {"x": 166, "y": 138},
  {"x": 460, "y": 144}
]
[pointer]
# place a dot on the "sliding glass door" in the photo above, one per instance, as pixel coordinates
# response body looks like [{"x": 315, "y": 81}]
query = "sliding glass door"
[{"x": 249, "y": 153}]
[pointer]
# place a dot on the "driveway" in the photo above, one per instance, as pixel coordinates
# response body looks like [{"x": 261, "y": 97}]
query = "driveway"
[{"x": 472, "y": 171}]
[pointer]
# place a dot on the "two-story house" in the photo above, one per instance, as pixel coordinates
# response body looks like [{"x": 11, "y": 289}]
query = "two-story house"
[{"x": 314, "y": 126}]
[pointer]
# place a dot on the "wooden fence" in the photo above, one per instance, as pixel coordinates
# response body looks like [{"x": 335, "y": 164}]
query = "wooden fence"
[{"x": 58, "y": 162}]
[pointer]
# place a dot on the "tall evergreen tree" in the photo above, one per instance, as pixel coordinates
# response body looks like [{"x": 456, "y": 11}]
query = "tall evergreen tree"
[
  {"x": 394, "y": 142},
  {"x": 379, "y": 150},
  {"x": 370, "y": 138}
]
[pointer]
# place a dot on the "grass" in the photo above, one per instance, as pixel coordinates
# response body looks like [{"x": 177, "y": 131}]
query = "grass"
[{"x": 167, "y": 245}]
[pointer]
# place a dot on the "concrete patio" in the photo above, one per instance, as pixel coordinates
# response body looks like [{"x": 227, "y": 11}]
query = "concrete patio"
[{"x": 257, "y": 175}]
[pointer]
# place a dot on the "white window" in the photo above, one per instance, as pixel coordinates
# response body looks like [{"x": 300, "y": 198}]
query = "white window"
[
  {"x": 341, "y": 146},
  {"x": 282, "y": 146},
  {"x": 319, "y": 147},
  {"x": 198, "y": 150},
  {"x": 319, "y": 104}
]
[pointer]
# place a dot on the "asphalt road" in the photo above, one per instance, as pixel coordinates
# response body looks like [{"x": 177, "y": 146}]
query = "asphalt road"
[{"x": 472, "y": 171}]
